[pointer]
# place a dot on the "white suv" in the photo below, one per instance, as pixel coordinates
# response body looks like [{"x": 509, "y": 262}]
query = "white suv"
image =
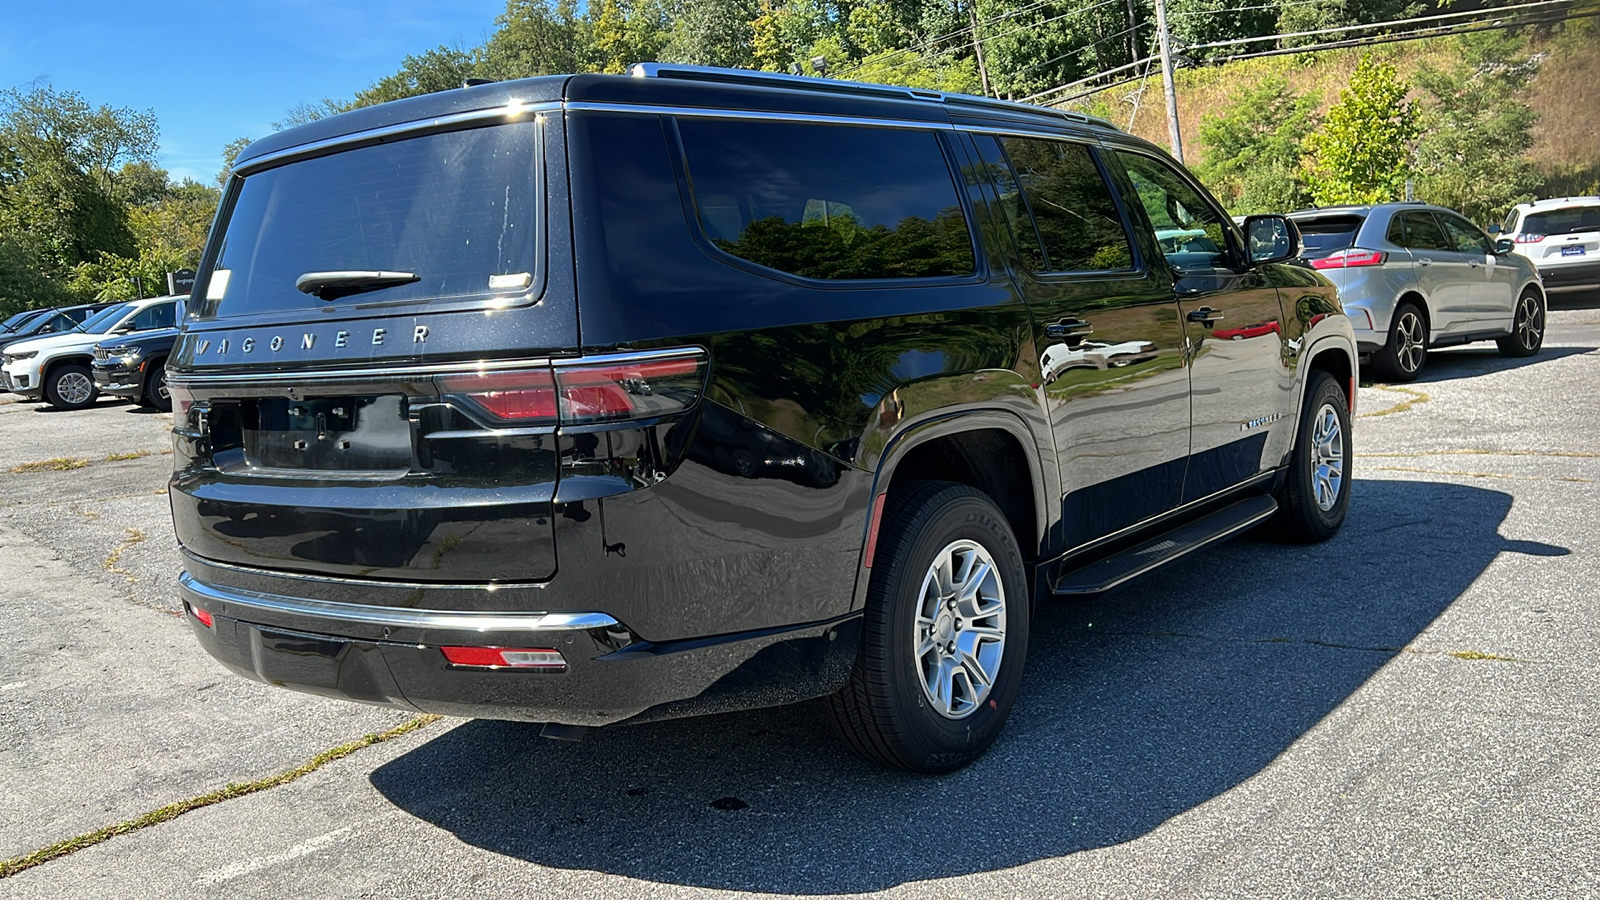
[
  {"x": 57, "y": 367},
  {"x": 1561, "y": 236}
]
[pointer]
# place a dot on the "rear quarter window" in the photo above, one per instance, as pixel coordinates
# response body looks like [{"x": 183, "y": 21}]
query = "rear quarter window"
[
  {"x": 457, "y": 209},
  {"x": 827, "y": 201}
]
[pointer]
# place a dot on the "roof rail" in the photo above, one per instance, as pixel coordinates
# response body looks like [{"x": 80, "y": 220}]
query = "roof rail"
[{"x": 860, "y": 88}]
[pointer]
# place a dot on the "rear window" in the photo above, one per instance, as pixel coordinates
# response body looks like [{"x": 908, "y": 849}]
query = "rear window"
[
  {"x": 1566, "y": 220},
  {"x": 828, "y": 201},
  {"x": 456, "y": 209},
  {"x": 1322, "y": 235}
]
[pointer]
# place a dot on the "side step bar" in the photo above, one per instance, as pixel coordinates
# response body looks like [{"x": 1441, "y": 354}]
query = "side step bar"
[{"x": 1104, "y": 574}]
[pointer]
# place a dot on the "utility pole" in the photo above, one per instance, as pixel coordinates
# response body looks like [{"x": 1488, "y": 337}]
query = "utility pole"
[
  {"x": 1166, "y": 75},
  {"x": 977, "y": 49}
]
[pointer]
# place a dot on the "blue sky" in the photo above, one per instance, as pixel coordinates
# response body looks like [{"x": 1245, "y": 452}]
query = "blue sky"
[{"x": 214, "y": 71}]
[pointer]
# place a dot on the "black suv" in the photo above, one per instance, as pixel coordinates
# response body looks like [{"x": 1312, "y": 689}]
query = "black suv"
[
  {"x": 591, "y": 399},
  {"x": 41, "y": 322},
  {"x": 134, "y": 367}
]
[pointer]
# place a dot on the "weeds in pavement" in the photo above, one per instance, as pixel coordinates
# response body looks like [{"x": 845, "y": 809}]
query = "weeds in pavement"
[{"x": 59, "y": 464}]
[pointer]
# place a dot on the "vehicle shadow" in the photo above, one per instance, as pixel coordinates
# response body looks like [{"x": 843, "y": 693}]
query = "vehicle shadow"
[
  {"x": 1450, "y": 363},
  {"x": 1137, "y": 706},
  {"x": 1573, "y": 299}
]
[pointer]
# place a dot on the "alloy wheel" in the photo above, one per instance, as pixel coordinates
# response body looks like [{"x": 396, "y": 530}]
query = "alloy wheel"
[
  {"x": 1530, "y": 322},
  {"x": 1327, "y": 457},
  {"x": 74, "y": 388},
  {"x": 1413, "y": 344},
  {"x": 960, "y": 631}
]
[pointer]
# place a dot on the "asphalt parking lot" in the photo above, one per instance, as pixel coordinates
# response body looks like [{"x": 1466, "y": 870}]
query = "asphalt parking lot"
[{"x": 1410, "y": 709}]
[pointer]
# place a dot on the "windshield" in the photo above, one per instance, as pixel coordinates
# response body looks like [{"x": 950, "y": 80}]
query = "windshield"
[
  {"x": 16, "y": 321},
  {"x": 101, "y": 322},
  {"x": 456, "y": 209},
  {"x": 1323, "y": 235},
  {"x": 1566, "y": 220}
]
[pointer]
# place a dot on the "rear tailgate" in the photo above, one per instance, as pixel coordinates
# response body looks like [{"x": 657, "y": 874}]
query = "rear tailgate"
[{"x": 361, "y": 386}]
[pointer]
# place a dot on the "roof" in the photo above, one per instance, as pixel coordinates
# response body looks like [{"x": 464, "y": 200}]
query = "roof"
[
  {"x": 1558, "y": 201},
  {"x": 658, "y": 84}
]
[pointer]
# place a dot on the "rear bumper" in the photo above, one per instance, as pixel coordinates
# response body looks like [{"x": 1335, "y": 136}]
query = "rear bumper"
[
  {"x": 1569, "y": 274},
  {"x": 391, "y": 656}
]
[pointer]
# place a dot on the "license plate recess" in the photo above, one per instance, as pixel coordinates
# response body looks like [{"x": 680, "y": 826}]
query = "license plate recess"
[{"x": 340, "y": 434}]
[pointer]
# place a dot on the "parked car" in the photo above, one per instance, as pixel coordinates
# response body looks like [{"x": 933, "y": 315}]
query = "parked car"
[
  {"x": 43, "y": 322},
  {"x": 485, "y": 406},
  {"x": 1560, "y": 235},
  {"x": 134, "y": 367},
  {"x": 1413, "y": 277},
  {"x": 57, "y": 367}
]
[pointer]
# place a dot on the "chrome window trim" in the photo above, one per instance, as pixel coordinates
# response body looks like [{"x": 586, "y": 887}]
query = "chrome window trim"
[
  {"x": 396, "y": 617},
  {"x": 372, "y": 374},
  {"x": 710, "y": 113},
  {"x": 510, "y": 112}
]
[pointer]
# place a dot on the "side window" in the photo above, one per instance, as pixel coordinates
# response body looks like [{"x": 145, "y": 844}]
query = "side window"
[
  {"x": 1075, "y": 225},
  {"x": 1465, "y": 236},
  {"x": 58, "y": 322},
  {"x": 1191, "y": 232},
  {"x": 1422, "y": 232},
  {"x": 828, "y": 201},
  {"x": 158, "y": 316}
]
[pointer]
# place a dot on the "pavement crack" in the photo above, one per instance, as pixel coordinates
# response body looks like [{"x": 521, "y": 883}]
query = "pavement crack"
[
  {"x": 1415, "y": 397},
  {"x": 134, "y": 536},
  {"x": 229, "y": 791}
]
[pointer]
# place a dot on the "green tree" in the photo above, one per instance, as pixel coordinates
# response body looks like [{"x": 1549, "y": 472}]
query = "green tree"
[
  {"x": 535, "y": 38},
  {"x": 440, "y": 69},
  {"x": 230, "y": 152},
  {"x": 1362, "y": 152},
  {"x": 1253, "y": 148},
  {"x": 713, "y": 33},
  {"x": 1476, "y": 128}
]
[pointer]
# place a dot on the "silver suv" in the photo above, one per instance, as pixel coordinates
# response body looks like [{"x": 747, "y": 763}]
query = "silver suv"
[{"x": 1413, "y": 276}]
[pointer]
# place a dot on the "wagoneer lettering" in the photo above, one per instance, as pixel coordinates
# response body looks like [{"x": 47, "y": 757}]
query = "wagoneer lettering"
[{"x": 798, "y": 389}]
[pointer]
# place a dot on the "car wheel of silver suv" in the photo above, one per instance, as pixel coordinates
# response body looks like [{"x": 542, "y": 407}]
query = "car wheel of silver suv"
[
  {"x": 1527, "y": 328},
  {"x": 1406, "y": 351}
]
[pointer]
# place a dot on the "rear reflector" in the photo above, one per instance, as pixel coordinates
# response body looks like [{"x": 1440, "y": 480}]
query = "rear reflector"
[
  {"x": 1350, "y": 259},
  {"x": 200, "y": 614},
  {"x": 617, "y": 388},
  {"x": 505, "y": 658},
  {"x": 872, "y": 530}
]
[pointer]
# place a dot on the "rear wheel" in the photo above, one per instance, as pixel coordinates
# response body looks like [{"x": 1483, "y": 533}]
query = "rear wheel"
[
  {"x": 944, "y": 635},
  {"x": 1316, "y": 496},
  {"x": 156, "y": 392},
  {"x": 70, "y": 386},
  {"x": 1406, "y": 350},
  {"x": 1527, "y": 327}
]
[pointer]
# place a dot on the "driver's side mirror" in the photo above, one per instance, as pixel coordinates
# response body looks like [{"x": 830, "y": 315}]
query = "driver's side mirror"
[
  {"x": 124, "y": 328},
  {"x": 1271, "y": 239},
  {"x": 1505, "y": 245}
]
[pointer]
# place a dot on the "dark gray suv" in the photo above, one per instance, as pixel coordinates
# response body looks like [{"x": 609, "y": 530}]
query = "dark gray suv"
[{"x": 1413, "y": 276}]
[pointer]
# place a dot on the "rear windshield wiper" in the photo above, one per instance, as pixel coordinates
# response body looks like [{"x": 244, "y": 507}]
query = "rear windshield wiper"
[{"x": 333, "y": 285}]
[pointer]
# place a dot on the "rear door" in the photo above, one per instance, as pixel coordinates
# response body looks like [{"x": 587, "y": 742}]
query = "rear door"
[
  {"x": 1107, "y": 330},
  {"x": 1240, "y": 385},
  {"x": 1444, "y": 274}
]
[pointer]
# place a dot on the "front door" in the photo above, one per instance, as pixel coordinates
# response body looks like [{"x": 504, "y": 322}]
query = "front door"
[
  {"x": 1240, "y": 380},
  {"x": 1108, "y": 332},
  {"x": 1445, "y": 275},
  {"x": 1494, "y": 290}
]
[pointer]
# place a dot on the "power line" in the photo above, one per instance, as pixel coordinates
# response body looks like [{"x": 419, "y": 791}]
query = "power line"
[
  {"x": 1195, "y": 13},
  {"x": 1516, "y": 8},
  {"x": 983, "y": 40}
]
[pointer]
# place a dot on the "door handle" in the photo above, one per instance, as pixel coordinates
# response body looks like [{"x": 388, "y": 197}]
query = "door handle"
[
  {"x": 1069, "y": 327},
  {"x": 1424, "y": 261},
  {"x": 1205, "y": 314}
]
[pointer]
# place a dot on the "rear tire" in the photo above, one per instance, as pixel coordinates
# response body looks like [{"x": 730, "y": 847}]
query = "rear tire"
[
  {"x": 70, "y": 386},
  {"x": 1406, "y": 351},
  {"x": 1527, "y": 327},
  {"x": 1316, "y": 497},
  {"x": 944, "y": 634}
]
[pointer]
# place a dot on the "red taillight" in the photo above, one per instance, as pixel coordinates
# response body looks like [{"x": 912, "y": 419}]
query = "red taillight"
[
  {"x": 182, "y": 399},
  {"x": 505, "y": 657},
  {"x": 525, "y": 397},
  {"x": 200, "y": 614},
  {"x": 1350, "y": 259},
  {"x": 1529, "y": 238},
  {"x": 630, "y": 389},
  {"x": 606, "y": 390}
]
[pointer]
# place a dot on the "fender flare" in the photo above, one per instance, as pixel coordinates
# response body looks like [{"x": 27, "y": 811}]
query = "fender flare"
[{"x": 923, "y": 431}]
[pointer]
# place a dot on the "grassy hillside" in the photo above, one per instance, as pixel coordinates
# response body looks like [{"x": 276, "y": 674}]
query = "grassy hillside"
[{"x": 1566, "y": 150}]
